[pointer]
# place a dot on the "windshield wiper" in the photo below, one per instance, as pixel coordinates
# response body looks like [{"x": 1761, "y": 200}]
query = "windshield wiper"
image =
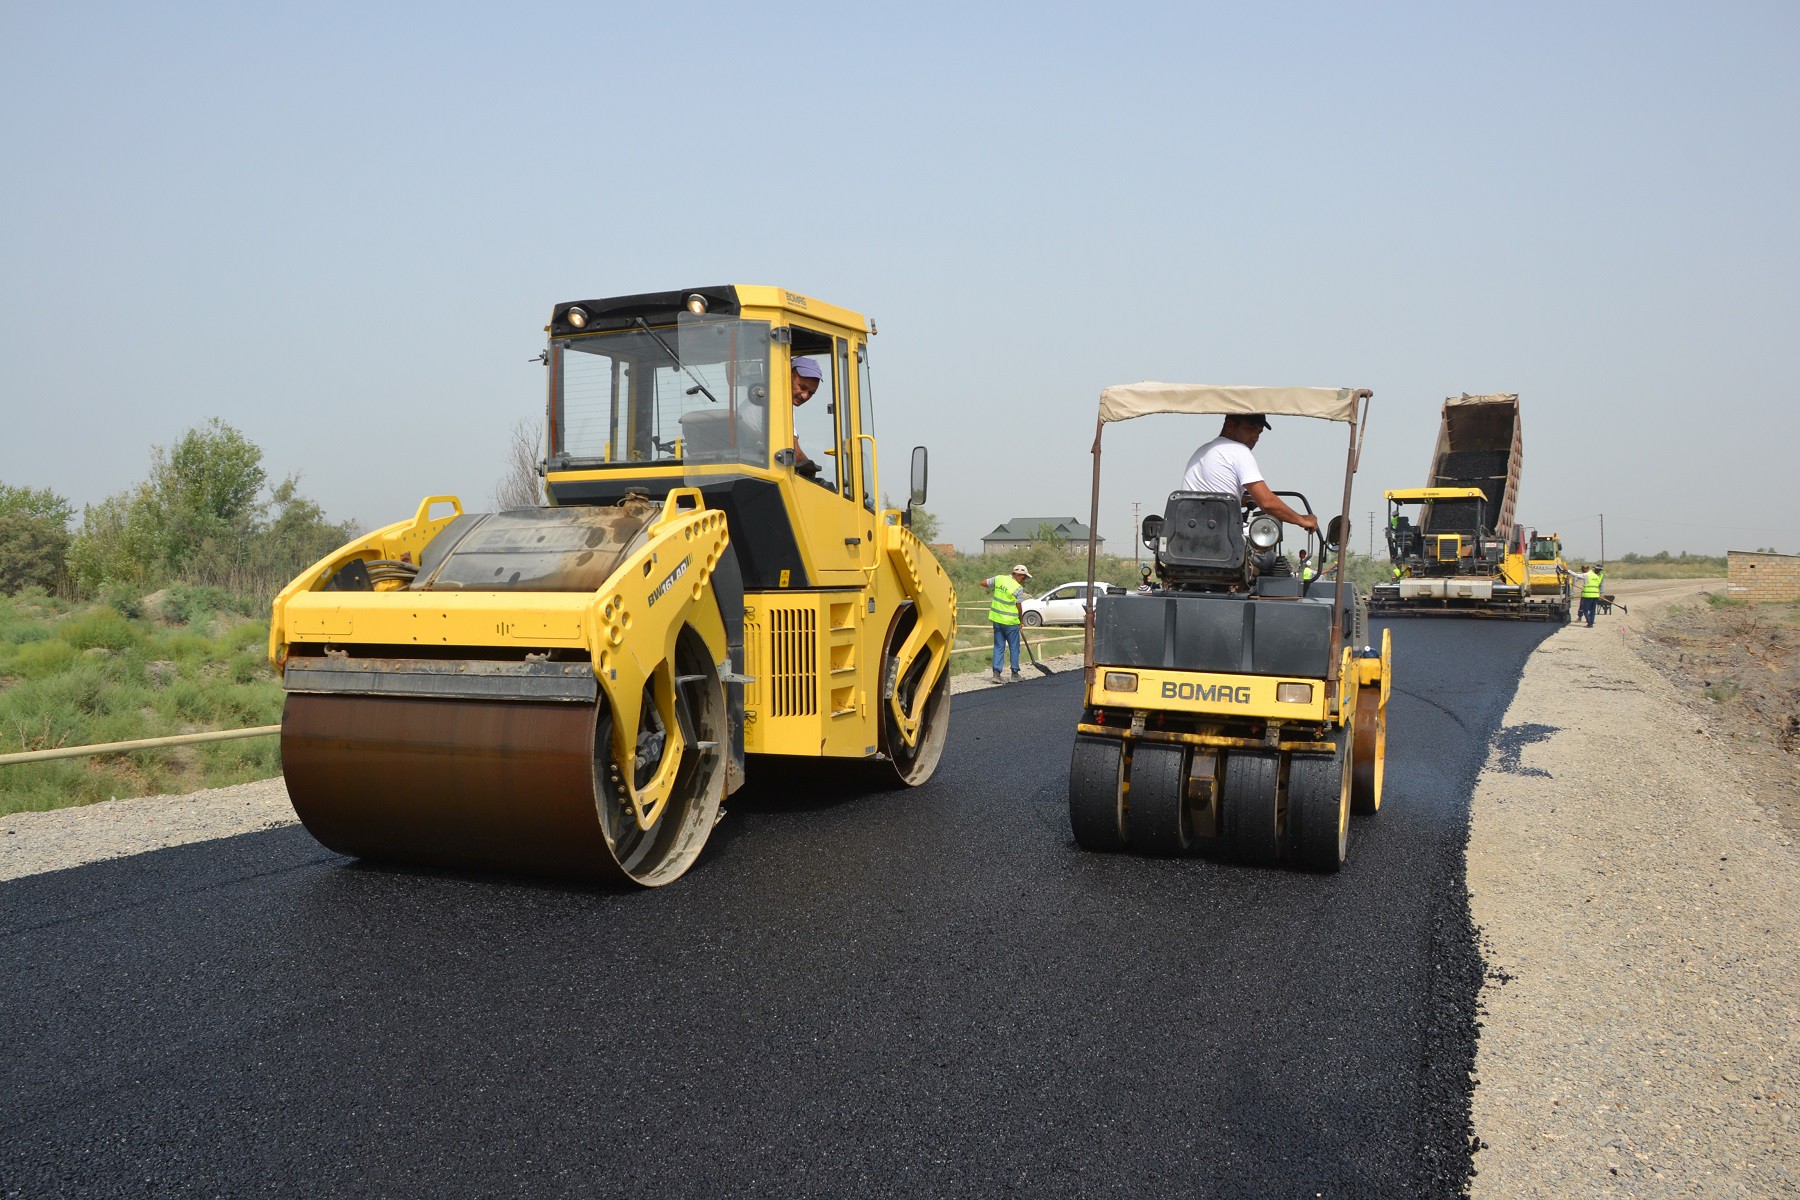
[{"x": 674, "y": 358}]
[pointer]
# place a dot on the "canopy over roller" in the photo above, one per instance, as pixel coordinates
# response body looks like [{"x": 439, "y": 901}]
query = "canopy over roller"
[{"x": 1121, "y": 402}]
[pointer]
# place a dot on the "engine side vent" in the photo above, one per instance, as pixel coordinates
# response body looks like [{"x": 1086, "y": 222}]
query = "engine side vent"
[{"x": 793, "y": 662}]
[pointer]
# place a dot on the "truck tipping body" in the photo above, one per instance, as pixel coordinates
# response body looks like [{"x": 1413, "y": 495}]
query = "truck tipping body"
[{"x": 1479, "y": 444}]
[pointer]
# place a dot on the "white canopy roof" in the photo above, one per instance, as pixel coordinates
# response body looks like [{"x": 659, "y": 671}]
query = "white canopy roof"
[{"x": 1124, "y": 401}]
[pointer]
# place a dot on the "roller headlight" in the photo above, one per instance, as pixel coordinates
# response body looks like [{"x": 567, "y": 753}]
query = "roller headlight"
[
  {"x": 696, "y": 304},
  {"x": 576, "y": 317},
  {"x": 1265, "y": 531}
]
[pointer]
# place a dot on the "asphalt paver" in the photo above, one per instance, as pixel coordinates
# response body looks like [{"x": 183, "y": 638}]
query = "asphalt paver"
[{"x": 855, "y": 992}]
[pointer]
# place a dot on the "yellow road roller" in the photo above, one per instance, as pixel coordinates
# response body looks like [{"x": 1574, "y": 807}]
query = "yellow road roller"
[
  {"x": 713, "y": 588},
  {"x": 1237, "y": 706}
]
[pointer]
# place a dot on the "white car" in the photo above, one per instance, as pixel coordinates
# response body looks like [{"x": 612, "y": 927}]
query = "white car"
[{"x": 1065, "y": 605}]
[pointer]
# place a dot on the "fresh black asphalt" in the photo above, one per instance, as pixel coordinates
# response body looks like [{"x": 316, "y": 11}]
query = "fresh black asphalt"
[{"x": 878, "y": 993}]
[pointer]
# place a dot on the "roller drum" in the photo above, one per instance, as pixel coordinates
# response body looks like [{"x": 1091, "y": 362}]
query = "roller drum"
[{"x": 469, "y": 784}]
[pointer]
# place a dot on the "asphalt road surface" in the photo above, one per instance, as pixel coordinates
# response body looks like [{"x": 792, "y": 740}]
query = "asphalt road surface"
[{"x": 924, "y": 993}]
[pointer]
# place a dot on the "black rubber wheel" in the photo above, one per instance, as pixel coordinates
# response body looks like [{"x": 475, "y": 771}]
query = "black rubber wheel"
[
  {"x": 1250, "y": 826},
  {"x": 1319, "y": 810},
  {"x": 1097, "y": 793},
  {"x": 1034, "y": 619},
  {"x": 1160, "y": 822},
  {"x": 1368, "y": 750},
  {"x": 905, "y": 765}
]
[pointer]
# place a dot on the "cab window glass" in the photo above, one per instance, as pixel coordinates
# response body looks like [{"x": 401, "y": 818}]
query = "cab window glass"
[
  {"x": 815, "y": 418},
  {"x": 846, "y": 424},
  {"x": 866, "y": 450}
]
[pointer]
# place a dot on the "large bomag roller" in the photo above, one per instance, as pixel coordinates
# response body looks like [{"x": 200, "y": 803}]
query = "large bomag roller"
[{"x": 572, "y": 690}]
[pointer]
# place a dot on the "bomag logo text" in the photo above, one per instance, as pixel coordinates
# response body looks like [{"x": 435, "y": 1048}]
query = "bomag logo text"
[
  {"x": 662, "y": 589},
  {"x": 1209, "y": 693}
]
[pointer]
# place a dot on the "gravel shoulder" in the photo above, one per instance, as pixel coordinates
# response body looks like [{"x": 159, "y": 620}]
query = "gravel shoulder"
[
  {"x": 1639, "y": 910},
  {"x": 35, "y": 842}
]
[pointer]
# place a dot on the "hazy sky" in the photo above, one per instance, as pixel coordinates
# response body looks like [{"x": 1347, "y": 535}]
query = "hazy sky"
[{"x": 342, "y": 228}]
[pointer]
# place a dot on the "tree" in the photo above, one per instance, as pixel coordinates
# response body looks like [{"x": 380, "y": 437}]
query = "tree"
[
  {"x": 41, "y": 503},
  {"x": 205, "y": 488},
  {"x": 924, "y": 525},
  {"x": 521, "y": 486},
  {"x": 34, "y": 537},
  {"x": 200, "y": 517},
  {"x": 34, "y": 551}
]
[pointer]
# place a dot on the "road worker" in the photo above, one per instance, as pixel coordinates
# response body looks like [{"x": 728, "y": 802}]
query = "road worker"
[
  {"x": 1005, "y": 615},
  {"x": 1590, "y": 592}
]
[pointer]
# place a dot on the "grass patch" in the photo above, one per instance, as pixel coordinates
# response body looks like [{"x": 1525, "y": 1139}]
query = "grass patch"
[
  {"x": 1721, "y": 600},
  {"x": 74, "y": 675},
  {"x": 1722, "y": 691}
]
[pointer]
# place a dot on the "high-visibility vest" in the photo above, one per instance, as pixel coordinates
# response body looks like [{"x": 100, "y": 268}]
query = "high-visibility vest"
[
  {"x": 1396, "y": 572},
  {"x": 1591, "y": 589},
  {"x": 1306, "y": 574},
  {"x": 1003, "y": 609}
]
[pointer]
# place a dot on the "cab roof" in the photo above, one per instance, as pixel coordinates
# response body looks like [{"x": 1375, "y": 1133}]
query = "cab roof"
[{"x": 612, "y": 313}]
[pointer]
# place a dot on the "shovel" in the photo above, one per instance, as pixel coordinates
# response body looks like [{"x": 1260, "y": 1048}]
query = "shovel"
[{"x": 1032, "y": 654}]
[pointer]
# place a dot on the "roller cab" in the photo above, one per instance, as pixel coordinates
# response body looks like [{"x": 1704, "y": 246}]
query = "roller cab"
[
  {"x": 1236, "y": 708},
  {"x": 574, "y": 689}
]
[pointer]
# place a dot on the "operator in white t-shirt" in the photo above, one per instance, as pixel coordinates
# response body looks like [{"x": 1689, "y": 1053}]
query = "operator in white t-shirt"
[{"x": 1226, "y": 465}]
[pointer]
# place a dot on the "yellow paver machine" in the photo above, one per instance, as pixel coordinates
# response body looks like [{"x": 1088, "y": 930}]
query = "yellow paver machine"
[
  {"x": 1239, "y": 706},
  {"x": 573, "y": 689},
  {"x": 1450, "y": 565}
]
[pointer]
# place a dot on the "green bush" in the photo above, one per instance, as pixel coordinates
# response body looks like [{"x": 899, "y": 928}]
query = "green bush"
[
  {"x": 102, "y": 627},
  {"x": 40, "y": 658}
]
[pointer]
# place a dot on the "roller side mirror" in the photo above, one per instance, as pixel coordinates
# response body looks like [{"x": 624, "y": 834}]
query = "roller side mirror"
[
  {"x": 1334, "y": 532},
  {"x": 918, "y": 475},
  {"x": 1153, "y": 527}
]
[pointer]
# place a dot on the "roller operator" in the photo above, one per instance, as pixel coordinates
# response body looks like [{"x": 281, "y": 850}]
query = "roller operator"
[{"x": 1226, "y": 465}]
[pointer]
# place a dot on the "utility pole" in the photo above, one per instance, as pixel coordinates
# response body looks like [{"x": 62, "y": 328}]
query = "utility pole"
[
  {"x": 1603, "y": 538},
  {"x": 1371, "y": 533}
]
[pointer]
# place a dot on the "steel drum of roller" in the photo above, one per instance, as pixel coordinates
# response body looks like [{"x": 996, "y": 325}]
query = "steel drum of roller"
[
  {"x": 500, "y": 764},
  {"x": 503, "y": 785}
]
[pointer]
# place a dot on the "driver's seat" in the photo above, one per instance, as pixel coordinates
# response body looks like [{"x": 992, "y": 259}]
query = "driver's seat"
[{"x": 1201, "y": 540}]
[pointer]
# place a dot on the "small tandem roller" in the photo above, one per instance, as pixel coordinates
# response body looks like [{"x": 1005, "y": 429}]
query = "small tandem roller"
[
  {"x": 1239, "y": 706},
  {"x": 573, "y": 690}
]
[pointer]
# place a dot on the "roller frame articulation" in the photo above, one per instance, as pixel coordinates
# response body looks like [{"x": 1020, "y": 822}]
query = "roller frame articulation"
[
  {"x": 631, "y": 616},
  {"x": 934, "y": 607}
]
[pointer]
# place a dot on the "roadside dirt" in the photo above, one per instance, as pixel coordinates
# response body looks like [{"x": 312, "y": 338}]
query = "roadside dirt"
[
  {"x": 1738, "y": 668},
  {"x": 1639, "y": 909}
]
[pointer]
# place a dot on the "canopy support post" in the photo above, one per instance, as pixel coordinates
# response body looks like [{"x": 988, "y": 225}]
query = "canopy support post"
[{"x": 1087, "y": 624}]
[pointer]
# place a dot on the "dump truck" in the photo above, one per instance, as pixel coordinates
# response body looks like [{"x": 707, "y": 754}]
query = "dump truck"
[
  {"x": 712, "y": 590},
  {"x": 1454, "y": 547},
  {"x": 1239, "y": 709}
]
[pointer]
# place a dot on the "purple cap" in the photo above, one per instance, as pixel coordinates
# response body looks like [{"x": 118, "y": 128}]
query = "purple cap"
[{"x": 806, "y": 368}]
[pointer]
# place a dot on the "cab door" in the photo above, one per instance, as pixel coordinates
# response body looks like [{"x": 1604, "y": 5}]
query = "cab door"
[{"x": 836, "y": 529}]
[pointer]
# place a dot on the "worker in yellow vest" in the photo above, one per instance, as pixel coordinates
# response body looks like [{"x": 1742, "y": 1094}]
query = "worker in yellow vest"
[
  {"x": 1590, "y": 593},
  {"x": 1005, "y": 615}
]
